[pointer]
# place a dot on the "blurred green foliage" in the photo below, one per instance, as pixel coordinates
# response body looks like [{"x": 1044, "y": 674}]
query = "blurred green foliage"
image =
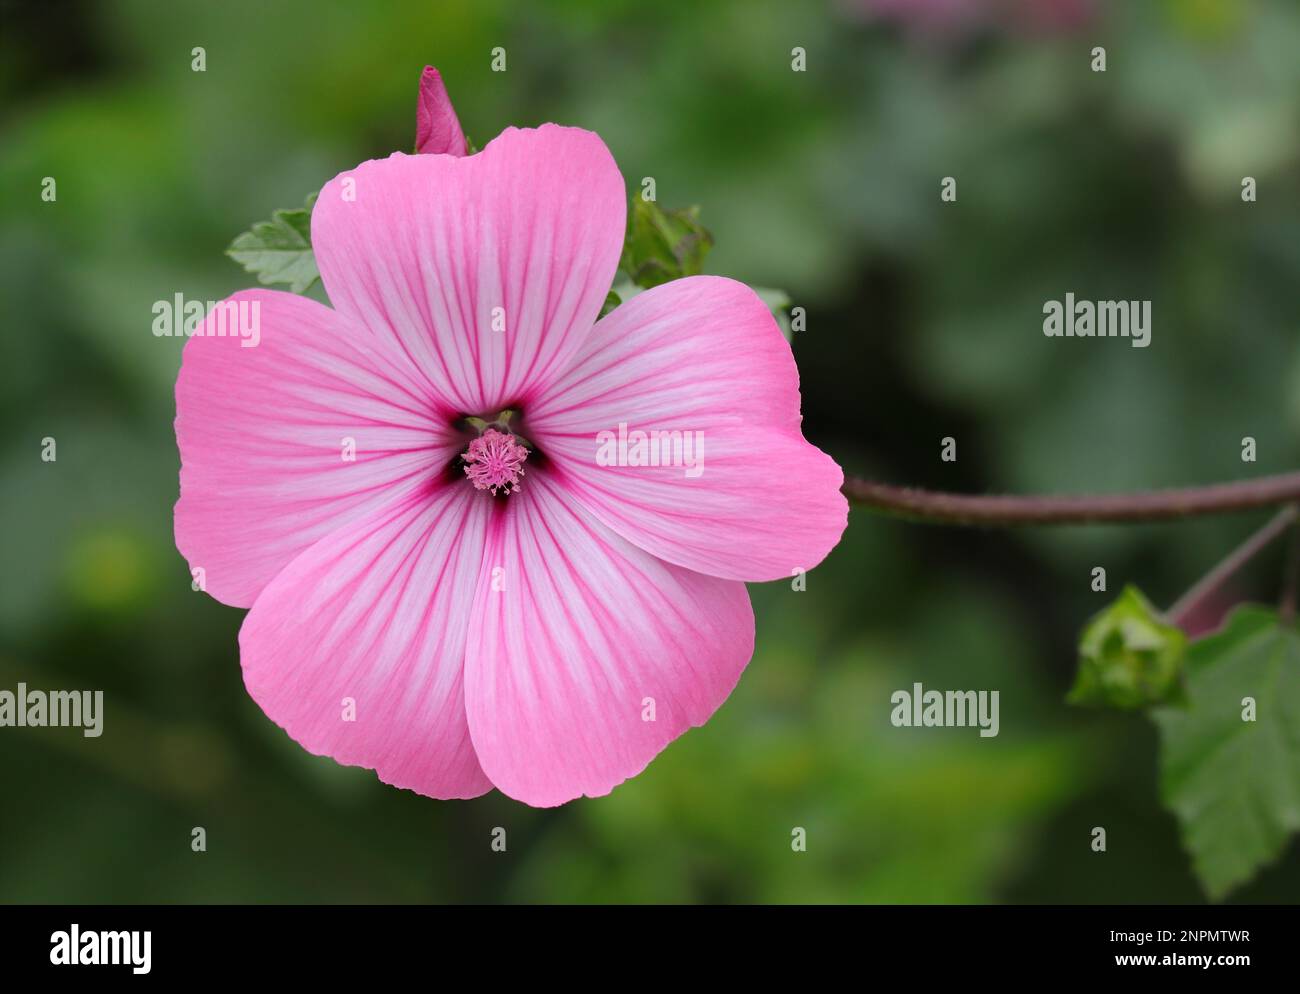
[{"x": 923, "y": 320}]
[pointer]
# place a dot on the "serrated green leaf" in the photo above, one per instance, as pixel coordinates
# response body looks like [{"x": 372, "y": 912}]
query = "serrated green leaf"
[
  {"x": 279, "y": 250},
  {"x": 1129, "y": 657},
  {"x": 1234, "y": 784},
  {"x": 663, "y": 245}
]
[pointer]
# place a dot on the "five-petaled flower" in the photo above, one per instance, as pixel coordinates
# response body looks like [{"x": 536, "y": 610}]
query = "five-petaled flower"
[{"x": 493, "y": 628}]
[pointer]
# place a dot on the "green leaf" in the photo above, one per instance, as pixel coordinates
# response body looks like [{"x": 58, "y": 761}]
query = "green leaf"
[
  {"x": 1234, "y": 784},
  {"x": 279, "y": 250},
  {"x": 1129, "y": 657},
  {"x": 663, "y": 245},
  {"x": 778, "y": 302},
  {"x": 623, "y": 290},
  {"x": 612, "y": 300}
]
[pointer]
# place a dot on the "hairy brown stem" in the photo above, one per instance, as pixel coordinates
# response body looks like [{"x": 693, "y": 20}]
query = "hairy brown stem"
[
  {"x": 1230, "y": 564},
  {"x": 1002, "y": 511}
]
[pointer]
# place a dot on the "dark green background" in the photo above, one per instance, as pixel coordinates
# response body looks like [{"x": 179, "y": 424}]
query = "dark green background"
[{"x": 924, "y": 320}]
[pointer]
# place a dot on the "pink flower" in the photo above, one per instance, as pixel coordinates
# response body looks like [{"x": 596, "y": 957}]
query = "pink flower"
[
  {"x": 495, "y": 461},
  {"x": 458, "y": 606}
]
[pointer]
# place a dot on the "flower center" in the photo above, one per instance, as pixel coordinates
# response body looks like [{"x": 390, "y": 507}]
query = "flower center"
[{"x": 495, "y": 461}]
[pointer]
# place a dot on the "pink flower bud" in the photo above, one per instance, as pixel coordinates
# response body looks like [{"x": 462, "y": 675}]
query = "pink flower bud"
[{"x": 436, "y": 128}]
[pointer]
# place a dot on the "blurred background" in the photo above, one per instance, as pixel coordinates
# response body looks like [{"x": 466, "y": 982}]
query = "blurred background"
[{"x": 923, "y": 321}]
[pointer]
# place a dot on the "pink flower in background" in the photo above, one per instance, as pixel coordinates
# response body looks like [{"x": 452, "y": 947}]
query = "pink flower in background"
[{"x": 456, "y": 596}]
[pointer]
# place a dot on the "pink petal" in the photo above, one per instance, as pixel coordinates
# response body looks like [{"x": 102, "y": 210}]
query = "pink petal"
[
  {"x": 262, "y": 434},
  {"x": 436, "y": 127},
  {"x": 377, "y": 613},
  {"x": 701, "y": 354},
  {"x": 434, "y": 249},
  {"x": 585, "y": 628}
]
